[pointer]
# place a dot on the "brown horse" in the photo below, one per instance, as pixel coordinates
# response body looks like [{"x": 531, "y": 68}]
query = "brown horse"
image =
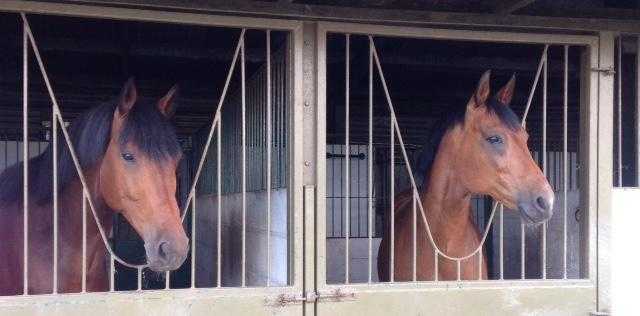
[
  {"x": 129, "y": 154},
  {"x": 482, "y": 150}
]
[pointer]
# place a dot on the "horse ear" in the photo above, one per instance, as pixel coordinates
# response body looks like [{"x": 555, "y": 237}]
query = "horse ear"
[
  {"x": 505, "y": 94},
  {"x": 482, "y": 91},
  {"x": 128, "y": 97},
  {"x": 166, "y": 105}
]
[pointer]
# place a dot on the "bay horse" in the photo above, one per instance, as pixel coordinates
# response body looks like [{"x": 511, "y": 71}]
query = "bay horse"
[
  {"x": 481, "y": 149},
  {"x": 129, "y": 153}
]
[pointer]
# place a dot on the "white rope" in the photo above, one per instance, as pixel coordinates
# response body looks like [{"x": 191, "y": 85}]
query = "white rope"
[{"x": 409, "y": 171}]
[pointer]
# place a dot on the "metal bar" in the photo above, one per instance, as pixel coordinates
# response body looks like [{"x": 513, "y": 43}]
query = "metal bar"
[
  {"x": 84, "y": 241},
  {"x": 139, "y": 278},
  {"x": 564, "y": 163},
  {"x": 480, "y": 265},
  {"x": 216, "y": 117},
  {"x": 638, "y": 111},
  {"x": 522, "y": 251},
  {"x": 458, "y": 268},
  {"x": 392, "y": 198},
  {"x": 219, "y": 224},
  {"x": 619, "y": 73},
  {"x": 269, "y": 146},
  {"x": 544, "y": 161},
  {"x": 370, "y": 165},
  {"x": 25, "y": 159},
  {"x": 57, "y": 118},
  {"x": 415, "y": 238},
  {"x": 501, "y": 242},
  {"x": 435, "y": 264},
  {"x": 193, "y": 238},
  {"x": 347, "y": 152},
  {"x": 112, "y": 274},
  {"x": 54, "y": 128},
  {"x": 543, "y": 60},
  {"x": 244, "y": 164}
]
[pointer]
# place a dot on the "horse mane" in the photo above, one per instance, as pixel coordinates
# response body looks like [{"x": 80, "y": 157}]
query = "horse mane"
[
  {"x": 90, "y": 133},
  {"x": 453, "y": 118}
]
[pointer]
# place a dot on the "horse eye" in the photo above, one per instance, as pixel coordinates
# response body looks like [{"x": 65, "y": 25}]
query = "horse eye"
[
  {"x": 494, "y": 140},
  {"x": 128, "y": 157}
]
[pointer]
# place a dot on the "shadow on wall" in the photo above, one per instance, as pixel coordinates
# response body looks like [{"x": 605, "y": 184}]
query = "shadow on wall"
[{"x": 256, "y": 239}]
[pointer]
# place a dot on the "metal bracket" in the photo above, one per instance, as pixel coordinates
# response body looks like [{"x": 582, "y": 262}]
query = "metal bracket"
[
  {"x": 609, "y": 71},
  {"x": 337, "y": 295}
]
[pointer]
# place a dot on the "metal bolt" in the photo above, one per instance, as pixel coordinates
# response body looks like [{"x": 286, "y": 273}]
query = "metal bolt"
[
  {"x": 306, "y": 103},
  {"x": 307, "y": 163}
]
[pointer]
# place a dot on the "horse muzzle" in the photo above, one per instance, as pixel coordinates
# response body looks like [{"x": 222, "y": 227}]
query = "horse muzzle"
[
  {"x": 167, "y": 254},
  {"x": 536, "y": 207}
]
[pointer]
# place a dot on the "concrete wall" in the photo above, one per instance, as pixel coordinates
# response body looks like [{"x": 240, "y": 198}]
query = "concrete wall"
[
  {"x": 358, "y": 260},
  {"x": 256, "y": 239},
  {"x": 533, "y": 247}
]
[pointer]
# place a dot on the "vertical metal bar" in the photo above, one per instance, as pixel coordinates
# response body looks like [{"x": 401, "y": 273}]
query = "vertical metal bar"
[
  {"x": 480, "y": 264},
  {"x": 370, "y": 164},
  {"x": 112, "y": 274},
  {"x": 522, "y": 251},
  {"x": 637, "y": 111},
  {"x": 84, "y": 241},
  {"x": 217, "y": 116},
  {"x": 139, "y": 278},
  {"x": 244, "y": 164},
  {"x": 219, "y": 185},
  {"x": 435, "y": 264},
  {"x": 392, "y": 198},
  {"x": 458, "y": 268},
  {"x": 544, "y": 161},
  {"x": 415, "y": 238},
  {"x": 25, "y": 159},
  {"x": 347, "y": 153},
  {"x": 501, "y": 241},
  {"x": 193, "y": 237},
  {"x": 619, "y": 73},
  {"x": 268, "y": 146},
  {"x": 564, "y": 162},
  {"x": 54, "y": 127}
]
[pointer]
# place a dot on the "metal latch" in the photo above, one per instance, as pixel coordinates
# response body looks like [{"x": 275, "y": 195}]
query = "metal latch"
[
  {"x": 609, "y": 71},
  {"x": 337, "y": 295}
]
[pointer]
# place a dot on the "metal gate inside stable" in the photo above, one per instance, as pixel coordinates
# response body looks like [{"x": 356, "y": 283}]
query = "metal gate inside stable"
[
  {"x": 331, "y": 225},
  {"x": 370, "y": 144}
]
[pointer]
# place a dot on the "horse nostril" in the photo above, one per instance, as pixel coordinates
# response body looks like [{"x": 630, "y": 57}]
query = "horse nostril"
[
  {"x": 542, "y": 203},
  {"x": 163, "y": 250}
]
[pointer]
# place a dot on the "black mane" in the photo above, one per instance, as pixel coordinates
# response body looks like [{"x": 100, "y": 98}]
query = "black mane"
[
  {"x": 90, "y": 134},
  {"x": 455, "y": 117}
]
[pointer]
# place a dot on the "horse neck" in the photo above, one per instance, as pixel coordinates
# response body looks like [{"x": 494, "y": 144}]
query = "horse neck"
[
  {"x": 446, "y": 201},
  {"x": 71, "y": 201}
]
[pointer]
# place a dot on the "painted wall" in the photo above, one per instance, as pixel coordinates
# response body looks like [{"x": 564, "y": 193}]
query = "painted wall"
[{"x": 256, "y": 239}]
